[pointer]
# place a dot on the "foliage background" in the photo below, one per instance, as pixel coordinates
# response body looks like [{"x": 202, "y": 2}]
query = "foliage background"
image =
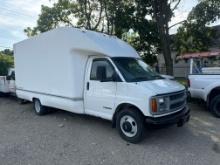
[{"x": 6, "y": 61}]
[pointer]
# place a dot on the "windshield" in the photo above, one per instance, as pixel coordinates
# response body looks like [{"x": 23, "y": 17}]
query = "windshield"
[{"x": 134, "y": 70}]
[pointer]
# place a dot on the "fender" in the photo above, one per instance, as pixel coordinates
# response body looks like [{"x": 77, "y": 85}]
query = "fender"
[
  {"x": 118, "y": 107},
  {"x": 129, "y": 103}
]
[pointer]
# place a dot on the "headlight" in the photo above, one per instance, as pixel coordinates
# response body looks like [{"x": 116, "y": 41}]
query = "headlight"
[
  {"x": 159, "y": 105},
  {"x": 161, "y": 100}
]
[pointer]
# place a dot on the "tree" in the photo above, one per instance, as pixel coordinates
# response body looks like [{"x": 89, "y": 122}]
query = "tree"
[
  {"x": 205, "y": 12},
  {"x": 91, "y": 13},
  {"x": 109, "y": 16},
  {"x": 194, "y": 35},
  {"x": 149, "y": 19},
  {"x": 7, "y": 52},
  {"x": 80, "y": 13},
  {"x": 142, "y": 33},
  {"x": 162, "y": 14},
  {"x": 6, "y": 62}
]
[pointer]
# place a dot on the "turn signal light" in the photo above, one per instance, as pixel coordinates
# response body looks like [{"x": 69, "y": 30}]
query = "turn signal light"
[{"x": 154, "y": 105}]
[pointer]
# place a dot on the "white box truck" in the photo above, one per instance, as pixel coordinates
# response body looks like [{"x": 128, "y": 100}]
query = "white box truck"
[{"x": 92, "y": 73}]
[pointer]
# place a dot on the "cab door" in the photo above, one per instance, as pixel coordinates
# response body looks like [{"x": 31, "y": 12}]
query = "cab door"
[{"x": 100, "y": 94}]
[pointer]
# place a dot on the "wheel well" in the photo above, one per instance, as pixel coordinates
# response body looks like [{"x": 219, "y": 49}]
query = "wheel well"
[
  {"x": 34, "y": 98},
  {"x": 120, "y": 108},
  {"x": 214, "y": 92}
]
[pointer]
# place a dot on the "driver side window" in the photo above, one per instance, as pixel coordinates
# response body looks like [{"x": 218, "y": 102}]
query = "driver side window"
[{"x": 101, "y": 63}]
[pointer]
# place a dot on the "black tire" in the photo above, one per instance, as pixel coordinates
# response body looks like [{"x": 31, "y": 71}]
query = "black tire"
[
  {"x": 215, "y": 106},
  {"x": 4, "y": 94},
  {"x": 122, "y": 125},
  {"x": 39, "y": 108},
  {"x": 1, "y": 94},
  {"x": 21, "y": 101},
  {"x": 189, "y": 98}
]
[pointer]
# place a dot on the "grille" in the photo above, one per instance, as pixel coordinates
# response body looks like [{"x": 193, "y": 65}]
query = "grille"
[
  {"x": 177, "y": 105},
  {"x": 177, "y": 96},
  {"x": 173, "y": 102},
  {"x": 177, "y": 100}
]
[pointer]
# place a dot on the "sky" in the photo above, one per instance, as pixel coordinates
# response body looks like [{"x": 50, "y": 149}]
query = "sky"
[{"x": 16, "y": 15}]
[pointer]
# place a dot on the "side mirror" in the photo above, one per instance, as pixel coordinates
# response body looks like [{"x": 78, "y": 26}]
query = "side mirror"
[
  {"x": 8, "y": 77},
  {"x": 115, "y": 77},
  {"x": 101, "y": 73}
]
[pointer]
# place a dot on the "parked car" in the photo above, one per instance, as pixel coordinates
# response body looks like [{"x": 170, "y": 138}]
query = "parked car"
[
  {"x": 92, "y": 73},
  {"x": 7, "y": 83},
  {"x": 204, "y": 81}
]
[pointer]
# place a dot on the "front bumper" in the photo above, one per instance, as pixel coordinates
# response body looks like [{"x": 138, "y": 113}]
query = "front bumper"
[{"x": 178, "y": 118}]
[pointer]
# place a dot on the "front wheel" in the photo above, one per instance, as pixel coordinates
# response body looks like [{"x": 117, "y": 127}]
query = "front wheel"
[
  {"x": 215, "y": 106},
  {"x": 130, "y": 125}
]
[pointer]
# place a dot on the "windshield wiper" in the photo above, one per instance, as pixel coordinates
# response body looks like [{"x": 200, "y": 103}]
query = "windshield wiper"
[
  {"x": 139, "y": 79},
  {"x": 157, "y": 77},
  {"x": 153, "y": 77}
]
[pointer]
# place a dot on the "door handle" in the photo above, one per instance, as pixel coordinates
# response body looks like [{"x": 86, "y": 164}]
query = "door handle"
[{"x": 87, "y": 86}]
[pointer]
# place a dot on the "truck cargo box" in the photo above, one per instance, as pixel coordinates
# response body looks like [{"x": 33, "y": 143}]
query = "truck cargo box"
[{"x": 54, "y": 62}]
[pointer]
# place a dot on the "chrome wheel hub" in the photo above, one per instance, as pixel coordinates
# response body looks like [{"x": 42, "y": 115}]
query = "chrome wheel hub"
[
  {"x": 128, "y": 126},
  {"x": 37, "y": 106}
]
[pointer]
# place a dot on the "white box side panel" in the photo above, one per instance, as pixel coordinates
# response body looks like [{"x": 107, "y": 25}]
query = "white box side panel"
[
  {"x": 75, "y": 106},
  {"x": 45, "y": 64}
]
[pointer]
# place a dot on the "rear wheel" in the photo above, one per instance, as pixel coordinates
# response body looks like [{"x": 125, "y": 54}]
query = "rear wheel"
[
  {"x": 39, "y": 109},
  {"x": 4, "y": 94},
  {"x": 215, "y": 106},
  {"x": 1, "y": 94},
  {"x": 22, "y": 101},
  {"x": 130, "y": 125}
]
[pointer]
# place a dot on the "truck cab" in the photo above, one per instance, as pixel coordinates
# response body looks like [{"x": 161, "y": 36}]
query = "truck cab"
[
  {"x": 126, "y": 91},
  {"x": 7, "y": 83},
  {"x": 204, "y": 80}
]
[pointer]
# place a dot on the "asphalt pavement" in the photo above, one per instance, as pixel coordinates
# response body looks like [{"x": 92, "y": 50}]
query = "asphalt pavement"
[{"x": 63, "y": 138}]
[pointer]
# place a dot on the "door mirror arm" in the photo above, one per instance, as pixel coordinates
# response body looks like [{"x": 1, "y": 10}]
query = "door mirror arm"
[{"x": 116, "y": 78}]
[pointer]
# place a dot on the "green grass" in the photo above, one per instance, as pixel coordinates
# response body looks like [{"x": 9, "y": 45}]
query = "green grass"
[{"x": 182, "y": 81}]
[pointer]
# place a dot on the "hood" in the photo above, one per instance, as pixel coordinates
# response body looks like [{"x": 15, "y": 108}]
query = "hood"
[{"x": 162, "y": 86}]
